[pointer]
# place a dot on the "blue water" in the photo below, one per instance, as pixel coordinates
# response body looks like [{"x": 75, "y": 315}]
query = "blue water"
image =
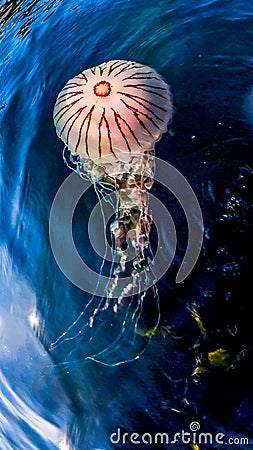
[{"x": 204, "y": 50}]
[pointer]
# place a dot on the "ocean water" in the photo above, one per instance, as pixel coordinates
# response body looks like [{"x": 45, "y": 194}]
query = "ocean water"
[{"x": 59, "y": 400}]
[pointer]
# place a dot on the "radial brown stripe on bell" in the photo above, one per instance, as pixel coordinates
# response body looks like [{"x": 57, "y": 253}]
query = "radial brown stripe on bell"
[
  {"x": 116, "y": 118},
  {"x": 140, "y": 113},
  {"x": 77, "y": 114},
  {"x": 150, "y": 90},
  {"x": 109, "y": 135},
  {"x": 135, "y": 100},
  {"x": 63, "y": 110},
  {"x": 115, "y": 65},
  {"x": 87, "y": 129}
]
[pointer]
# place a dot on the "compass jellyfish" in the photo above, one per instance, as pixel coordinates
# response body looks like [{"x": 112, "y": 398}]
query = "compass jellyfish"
[{"x": 109, "y": 117}]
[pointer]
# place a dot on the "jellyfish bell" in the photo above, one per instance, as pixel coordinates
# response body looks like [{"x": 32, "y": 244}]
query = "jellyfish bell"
[
  {"x": 109, "y": 118},
  {"x": 113, "y": 111}
]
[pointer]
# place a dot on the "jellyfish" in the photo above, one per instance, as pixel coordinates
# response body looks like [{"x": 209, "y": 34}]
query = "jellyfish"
[{"x": 109, "y": 117}]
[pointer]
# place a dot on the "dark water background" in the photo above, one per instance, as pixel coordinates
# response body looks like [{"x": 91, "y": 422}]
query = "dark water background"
[{"x": 204, "y": 49}]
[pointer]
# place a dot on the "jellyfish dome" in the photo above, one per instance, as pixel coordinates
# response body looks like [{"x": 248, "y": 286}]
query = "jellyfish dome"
[
  {"x": 113, "y": 111},
  {"x": 109, "y": 118}
]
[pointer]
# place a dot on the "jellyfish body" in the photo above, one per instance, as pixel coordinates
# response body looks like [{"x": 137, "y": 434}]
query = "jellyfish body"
[{"x": 110, "y": 118}]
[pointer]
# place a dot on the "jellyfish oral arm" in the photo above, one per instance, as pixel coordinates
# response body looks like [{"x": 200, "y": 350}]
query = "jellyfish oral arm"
[{"x": 130, "y": 230}]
